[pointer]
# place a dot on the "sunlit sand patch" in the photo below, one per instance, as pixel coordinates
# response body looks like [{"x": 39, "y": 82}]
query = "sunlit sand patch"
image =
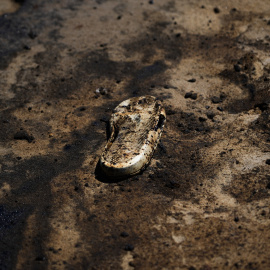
[
  {"x": 4, "y": 189},
  {"x": 126, "y": 259},
  {"x": 8, "y": 6}
]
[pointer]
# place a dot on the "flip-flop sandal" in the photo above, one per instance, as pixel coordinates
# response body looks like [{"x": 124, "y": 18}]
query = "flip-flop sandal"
[{"x": 135, "y": 129}]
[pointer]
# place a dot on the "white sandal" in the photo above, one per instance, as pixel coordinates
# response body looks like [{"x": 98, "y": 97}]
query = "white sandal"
[{"x": 135, "y": 129}]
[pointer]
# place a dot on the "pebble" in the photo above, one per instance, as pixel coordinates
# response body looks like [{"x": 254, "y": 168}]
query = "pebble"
[
  {"x": 210, "y": 115},
  {"x": 23, "y": 135},
  {"x": 32, "y": 34},
  {"x": 90, "y": 218},
  {"x": 202, "y": 119},
  {"x": 129, "y": 247},
  {"x": 102, "y": 91},
  {"x": 172, "y": 184},
  {"x": 40, "y": 258},
  {"x": 191, "y": 95},
  {"x": 82, "y": 108},
  {"x": 236, "y": 219},
  {"x": 124, "y": 234},
  {"x": 26, "y": 47},
  {"x": 216, "y": 10},
  {"x": 223, "y": 96},
  {"x": 216, "y": 99},
  {"x": 237, "y": 68}
]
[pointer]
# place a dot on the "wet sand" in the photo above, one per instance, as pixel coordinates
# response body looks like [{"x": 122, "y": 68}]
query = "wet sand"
[{"x": 203, "y": 202}]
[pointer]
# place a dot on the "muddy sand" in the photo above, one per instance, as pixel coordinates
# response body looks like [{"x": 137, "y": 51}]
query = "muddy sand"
[{"x": 203, "y": 202}]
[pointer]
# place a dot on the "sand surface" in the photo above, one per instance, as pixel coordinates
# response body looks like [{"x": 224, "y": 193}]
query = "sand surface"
[{"x": 203, "y": 202}]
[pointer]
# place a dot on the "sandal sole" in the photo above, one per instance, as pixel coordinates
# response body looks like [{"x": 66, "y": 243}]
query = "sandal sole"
[{"x": 135, "y": 130}]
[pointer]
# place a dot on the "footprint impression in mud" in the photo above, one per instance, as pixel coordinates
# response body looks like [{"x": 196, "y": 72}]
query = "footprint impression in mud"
[{"x": 135, "y": 130}]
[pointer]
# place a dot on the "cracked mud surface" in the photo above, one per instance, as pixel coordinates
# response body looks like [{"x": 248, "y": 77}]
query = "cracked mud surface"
[{"x": 203, "y": 202}]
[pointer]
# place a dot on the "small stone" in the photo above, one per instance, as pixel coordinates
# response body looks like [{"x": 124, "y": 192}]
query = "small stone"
[
  {"x": 191, "y": 95},
  {"x": 32, "y": 34},
  {"x": 129, "y": 247},
  {"x": 90, "y": 218},
  {"x": 267, "y": 161},
  {"x": 216, "y": 99},
  {"x": 236, "y": 219},
  {"x": 124, "y": 234},
  {"x": 192, "y": 80},
  {"x": 220, "y": 108},
  {"x": 223, "y": 96},
  {"x": 26, "y": 47},
  {"x": 23, "y": 135},
  {"x": 202, "y": 119},
  {"x": 40, "y": 258},
  {"x": 210, "y": 115},
  {"x": 237, "y": 68},
  {"x": 101, "y": 91},
  {"x": 216, "y": 10},
  {"x": 82, "y": 108}
]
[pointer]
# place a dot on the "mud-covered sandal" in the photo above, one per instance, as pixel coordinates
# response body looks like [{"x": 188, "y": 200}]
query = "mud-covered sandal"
[{"x": 135, "y": 129}]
